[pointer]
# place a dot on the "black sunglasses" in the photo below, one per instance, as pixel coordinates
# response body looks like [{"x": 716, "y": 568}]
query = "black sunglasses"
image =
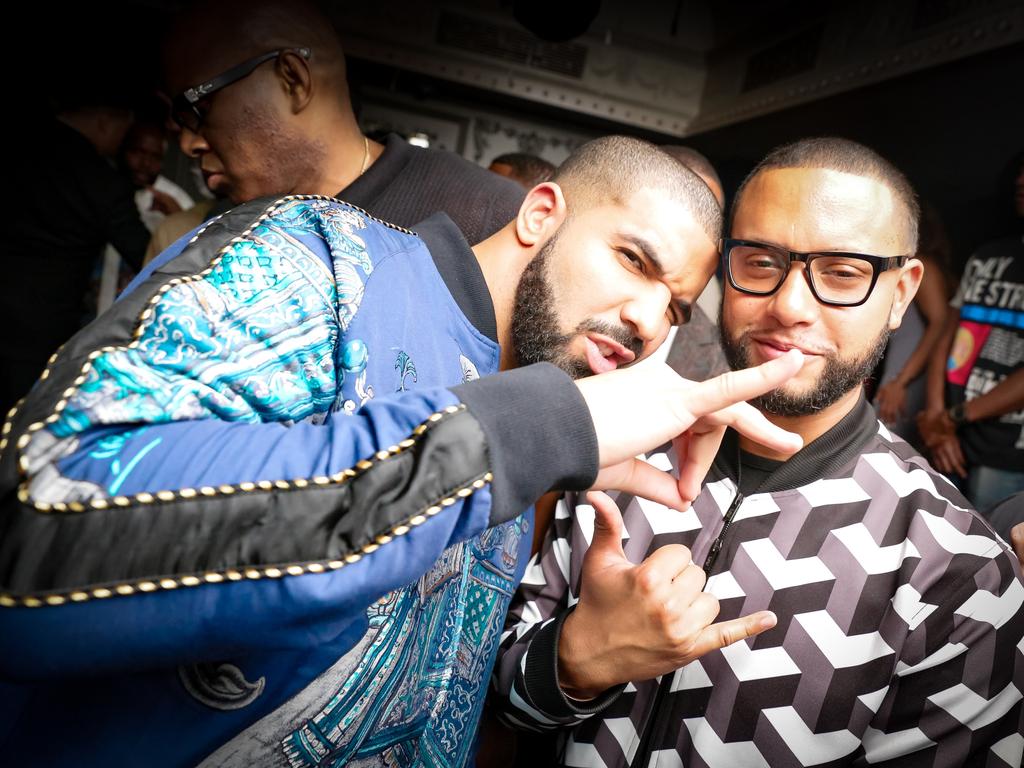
[
  {"x": 185, "y": 109},
  {"x": 836, "y": 278}
]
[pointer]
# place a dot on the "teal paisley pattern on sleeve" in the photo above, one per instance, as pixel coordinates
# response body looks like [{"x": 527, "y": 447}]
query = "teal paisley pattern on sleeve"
[
  {"x": 258, "y": 336},
  {"x": 253, "y": 339}
]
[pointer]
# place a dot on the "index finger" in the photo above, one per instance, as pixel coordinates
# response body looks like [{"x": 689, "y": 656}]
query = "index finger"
[{"x": 738, "y": 386}]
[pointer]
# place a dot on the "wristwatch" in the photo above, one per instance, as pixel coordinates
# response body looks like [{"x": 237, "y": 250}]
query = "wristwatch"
[{"x": 957, "y": 414}]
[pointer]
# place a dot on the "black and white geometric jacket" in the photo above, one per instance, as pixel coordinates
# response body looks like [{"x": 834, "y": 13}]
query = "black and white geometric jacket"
[{"x": 899, "y": 635}]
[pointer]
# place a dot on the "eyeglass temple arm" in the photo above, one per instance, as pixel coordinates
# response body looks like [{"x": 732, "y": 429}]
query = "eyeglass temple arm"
[{"x": 194, "y": 94}]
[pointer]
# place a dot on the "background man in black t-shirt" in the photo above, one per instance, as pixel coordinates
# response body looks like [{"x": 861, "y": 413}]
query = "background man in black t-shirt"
[
  {"x": 974, "y": 424},
  {"x": 259, "y": 91}
]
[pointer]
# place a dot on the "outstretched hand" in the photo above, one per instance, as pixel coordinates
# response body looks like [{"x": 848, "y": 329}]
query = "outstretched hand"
[
  {"x": 635, "y": 622},
  {"x": 636, "y": 410}
]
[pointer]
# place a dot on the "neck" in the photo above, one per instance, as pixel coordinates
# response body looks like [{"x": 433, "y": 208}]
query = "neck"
[
  {"x": 502, "y": 266},
  {"x": 349, "y": 155},
  {"x": 810, "y": 427}
]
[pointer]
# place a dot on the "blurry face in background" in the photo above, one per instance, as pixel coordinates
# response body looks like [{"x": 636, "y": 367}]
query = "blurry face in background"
[
  {"x": 605, "y": 289},
  {"x": 143, "y": 155},
  {"x": 249, "y": 144},
  {"x": 808, "y": 210}
]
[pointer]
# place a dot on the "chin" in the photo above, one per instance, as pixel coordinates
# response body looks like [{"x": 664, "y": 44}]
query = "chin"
[{"x": 575, "y": 367}]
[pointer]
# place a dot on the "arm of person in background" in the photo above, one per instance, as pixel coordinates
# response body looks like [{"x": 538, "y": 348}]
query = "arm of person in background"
[
  {"x": 1005, "y": 397},
  {"x": 935, "y": 390},
  {"x": 934, "y": 424},
  {"x": 931, "y": 302}
]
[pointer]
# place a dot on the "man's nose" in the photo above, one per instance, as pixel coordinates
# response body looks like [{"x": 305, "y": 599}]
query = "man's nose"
[
  {"x": 647, "y": 315},
  {"x": 192, "y": 144},
  {"x": 794, "y": 303}
]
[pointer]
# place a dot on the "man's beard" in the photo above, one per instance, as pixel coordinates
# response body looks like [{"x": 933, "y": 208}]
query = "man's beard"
[
  {"x": 838, "y": 377},
  {"x": 535, "y": 334}
]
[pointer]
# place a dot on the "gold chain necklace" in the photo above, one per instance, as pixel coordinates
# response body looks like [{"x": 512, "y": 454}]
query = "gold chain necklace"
[{"x": 366, "y": 155}]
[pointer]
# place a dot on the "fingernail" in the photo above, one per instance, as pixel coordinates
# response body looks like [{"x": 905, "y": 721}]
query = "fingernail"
[{"x": 768, "y": 621}]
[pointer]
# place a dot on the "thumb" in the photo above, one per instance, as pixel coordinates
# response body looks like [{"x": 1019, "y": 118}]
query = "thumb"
[{"x": 607, "y": 540}]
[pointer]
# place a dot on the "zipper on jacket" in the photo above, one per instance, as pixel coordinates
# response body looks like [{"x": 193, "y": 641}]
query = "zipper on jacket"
[
  {"x": 643, "y": 752},
  {"x": 716, "y": 547}
]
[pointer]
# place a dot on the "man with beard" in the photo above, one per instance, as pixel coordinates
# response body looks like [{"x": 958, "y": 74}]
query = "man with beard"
[
  {"x": 897, "y": 613},
  {"x": 268, "y": 510}
]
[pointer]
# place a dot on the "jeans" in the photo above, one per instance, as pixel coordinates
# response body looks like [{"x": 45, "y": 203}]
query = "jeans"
[{"x": 986, "y": 486}]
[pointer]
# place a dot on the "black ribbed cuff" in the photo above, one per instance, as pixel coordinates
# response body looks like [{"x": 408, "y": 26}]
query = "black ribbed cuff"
[
  {"x": 541, "y": 678},
  {"x": 539, "y": 434}
]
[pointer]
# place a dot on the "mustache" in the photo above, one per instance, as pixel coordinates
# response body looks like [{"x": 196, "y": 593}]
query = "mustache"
[{"x": 618, "y": 333}]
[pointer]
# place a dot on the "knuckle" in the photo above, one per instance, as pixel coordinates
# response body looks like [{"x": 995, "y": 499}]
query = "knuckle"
[
  {"x": 664, "y": 619},
  {"x": 681, "y": 636},
  {"x": 708, "y": 604},
  {"x": 727, "y": 384},
  {"x": 700, "y": 578},
  {"x": 727, "y": 635},
  {"x": 645, "y": 581}
]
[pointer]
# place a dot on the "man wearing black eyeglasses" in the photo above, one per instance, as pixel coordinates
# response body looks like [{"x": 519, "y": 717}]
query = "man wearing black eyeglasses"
[
  {"x": 897, "y": 611},
  {"x": 259, "y": 93}
]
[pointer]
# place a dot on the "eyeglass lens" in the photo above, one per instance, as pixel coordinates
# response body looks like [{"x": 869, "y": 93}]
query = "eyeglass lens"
[{"x": 843, "y": 279}]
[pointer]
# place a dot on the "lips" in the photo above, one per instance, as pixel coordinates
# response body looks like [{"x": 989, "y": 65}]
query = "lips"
[
  {"x": 605, "y": 354},
  {"x": 772, "y": 347},
  {"x": 212, "y": 175}
]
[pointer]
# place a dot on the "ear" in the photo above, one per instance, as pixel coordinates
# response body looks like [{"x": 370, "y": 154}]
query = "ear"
[
  {"x": 540, "y": 215},
  {"x": 296, "y": 79},
  {"x": 906, "y": 288}
]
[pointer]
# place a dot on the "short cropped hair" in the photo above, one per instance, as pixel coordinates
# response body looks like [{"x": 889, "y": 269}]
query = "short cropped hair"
[
  {"x": 528, "y": 169},
  {"x": 845, "y": 156},
  {"x": 614, "y": 168},
  {"x": 693, "y": 160}
]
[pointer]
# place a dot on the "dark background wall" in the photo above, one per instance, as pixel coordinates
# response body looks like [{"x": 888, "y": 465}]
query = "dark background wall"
[{"x": 952, "y": 129}]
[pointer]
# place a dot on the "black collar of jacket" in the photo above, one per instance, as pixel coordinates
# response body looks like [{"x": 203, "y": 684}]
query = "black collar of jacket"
[
  {"x": 820, "y": 458},
  {"x": 460, "y": 271}
]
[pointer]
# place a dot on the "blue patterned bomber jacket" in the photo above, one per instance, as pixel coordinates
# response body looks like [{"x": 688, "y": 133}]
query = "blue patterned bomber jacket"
[{"x": 268, "y": 509}]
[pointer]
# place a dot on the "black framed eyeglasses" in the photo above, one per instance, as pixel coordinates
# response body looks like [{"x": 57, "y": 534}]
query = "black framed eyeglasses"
[
  {"x": 835, "y": 278},
  {"x": 185, "y": 109}
]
